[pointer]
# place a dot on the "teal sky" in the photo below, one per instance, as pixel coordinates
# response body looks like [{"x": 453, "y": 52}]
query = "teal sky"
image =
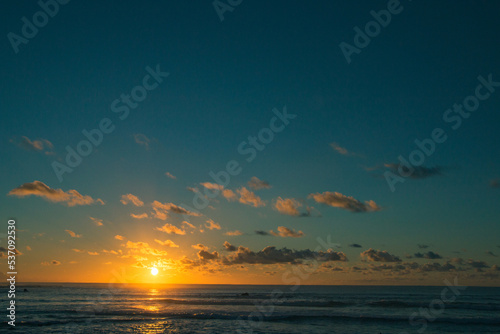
[{"x": 225, "y": 79}]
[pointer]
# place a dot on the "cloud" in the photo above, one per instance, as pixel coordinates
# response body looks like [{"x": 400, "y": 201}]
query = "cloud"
[
  {"x": 423, "y": 246},
  {"x": 436, "y": 267},
  {"x": 139, "y": 216},
  {"x": 171, "y": 229},
  {"x": 478, "y": 265},
  {"x": 379, "y": 256},
  {"x": 129, "y": 198},
  {"x": 349, "y": 203},
  {"x": 248, "y": 197},
  {"x": 272, "y": 255},
  {"x": 257, "y": 184},
  {"x": 73, "y": 234},
  {"x": 162, "y": 210},
  {"x": 490, "y": 253},
  {"x": 78, "y": 250},
  {"x": 70, "y": 197},
  {"x": 142, "y": 248},
  {"x": 170, "y": 176},
  {"x": 286, "y": 232},
  {"x": 142, "y": 140},
  {"x": 167, "y": 243},
  {"x": 429, "y": 255},
  {"x": 229, "y": 195},
  {"x": 233, "y": 233},
  {"x": 419, "y": 172},
  {"x": 4, "y": 252},
  {"x": 207, "y": 256},
  {"x": 228, "y": 247},
  {"x": 119, "y": 237},
  {"x": 188, "y": 224},
  {"x": 342, "y": 150},
  {"x": 96, "y": 221},
  {"x": 211, "y": 225},
  {"x": 212, "y": 186},
  {"x": 93, "y": 253},
  {"x": 199, "y": 246},
  {"x": 53, "y": 263},
  {"x": 259, "y": 232},
  {"x": 355, "y": 245},
  {"x": 289, "y": 206},
  {"x": 35, "y": 145}
]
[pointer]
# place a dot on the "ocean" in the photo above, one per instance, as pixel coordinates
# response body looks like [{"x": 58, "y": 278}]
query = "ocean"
[{"x": 104, "y": 308}]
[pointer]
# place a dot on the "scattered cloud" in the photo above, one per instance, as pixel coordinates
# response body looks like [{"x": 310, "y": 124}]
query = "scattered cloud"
[
  {"x": 259, "y": 232},
  {"x": 248, "y": 197},
  {"x": 228, "y": 247},
  {"x": 272, "y": 255},
  {"x": 73, "y": 234},
  {"x": 93, "y": 253},
  {"x": 40, "y": 189},
  {"x": 290, "y": 207},
  {"x": 286, "y": 232},
  {"x": 139, "y": 216},
  {"x": 423, "y": 246},
  {"x": 97, "y": 222},
  {"x": 51, "y": 263},
  {"x": 188, "y": 224},
  {"x": 35, "y": 145},
  {"x": 162, "y": 210},
  {"x": 211, "y": 225},
  {"x": 207, "y": 256},
  {"x": 342, "y": 150},
  {"x": 142, "y": 140},
  {"x": 379, "y": 256},
  {"x": 167, "y": 243},
  {"x": 349, "y": 203},
  {"x": 4, "y": 252},
  {"x": 171, "y": 229},
  {"x": 490, "y": 253},
  {"x": 233, "y": 233},
  {"x": 119, "y": 237},
  {"x": 429, "y": 255},
  {"x": 170, "y": 176},
  {"x": 419, "y": 172},
  {"x": 355, "y": 245},
  {"x": 199, "y": 247},
  {"x": 255, "y": 183},
  {"x": 129, "y": 198}
]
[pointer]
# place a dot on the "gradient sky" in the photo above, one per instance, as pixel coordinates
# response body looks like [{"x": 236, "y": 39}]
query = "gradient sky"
[{"x": 225, "y": 78}]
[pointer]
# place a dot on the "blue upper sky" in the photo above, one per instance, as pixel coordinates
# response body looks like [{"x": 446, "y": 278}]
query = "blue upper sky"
[{"x": 225, "y": 78}]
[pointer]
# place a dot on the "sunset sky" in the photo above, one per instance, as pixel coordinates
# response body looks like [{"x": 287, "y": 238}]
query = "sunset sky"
[{"x": 128, "y": 205}]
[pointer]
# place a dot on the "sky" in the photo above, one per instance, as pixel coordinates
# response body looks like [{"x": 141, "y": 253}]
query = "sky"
[{"x": 307, "y": 114}]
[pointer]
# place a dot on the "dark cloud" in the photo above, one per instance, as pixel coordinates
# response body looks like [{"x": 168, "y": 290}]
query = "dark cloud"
[
  {"x": 272, "y": 255},
  {"x": 40, "y": 189},
  {"x": 419, "y": 172},
  {"x": 423, "y": 246},
  {"x": 229, "y": 247},
  {"x": 436, "y": 267},
  {"x": 477, "y": 264},
  {"x": 255, "y": 183},
  {"x": 348, "y": 203},
  {"x": 379, "y": 256},
  {"x": 260, "y": 232},
  {"x": 429, "y": 255},
  {"x": 490, "y": 253},
  {"x": 355, "y": 245},
  {"x": 207, "y": 256}
]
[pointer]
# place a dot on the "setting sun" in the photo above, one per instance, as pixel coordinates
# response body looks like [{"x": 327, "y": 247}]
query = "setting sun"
[{"x": 154, "y": 271}]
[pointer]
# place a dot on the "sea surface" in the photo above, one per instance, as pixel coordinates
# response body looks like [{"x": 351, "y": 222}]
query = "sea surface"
[{"x": 104, "y": 308}]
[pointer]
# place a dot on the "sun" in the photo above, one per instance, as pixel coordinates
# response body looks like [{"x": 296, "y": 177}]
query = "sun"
[{"x": 154, "y": 271}]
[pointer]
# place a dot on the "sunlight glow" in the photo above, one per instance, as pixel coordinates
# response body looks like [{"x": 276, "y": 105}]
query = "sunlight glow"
[{"x": 154, "y": 271}]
